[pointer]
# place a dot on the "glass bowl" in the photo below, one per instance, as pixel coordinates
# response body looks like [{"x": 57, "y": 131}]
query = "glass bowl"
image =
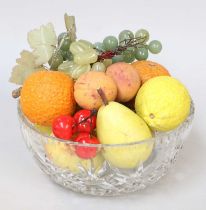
[{"x": 117, "y": 169}]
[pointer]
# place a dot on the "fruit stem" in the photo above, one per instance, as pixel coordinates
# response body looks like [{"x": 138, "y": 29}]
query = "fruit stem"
[
  {"x": 93, "y": 112},
  {"x": 102, "y": 95},
  {"x": 16, "y": 93}
]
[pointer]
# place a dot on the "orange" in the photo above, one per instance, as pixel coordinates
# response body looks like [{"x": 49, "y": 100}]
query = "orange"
[
  {"x": 46, "y": 95},
  {"x": 149, "y": 69}
]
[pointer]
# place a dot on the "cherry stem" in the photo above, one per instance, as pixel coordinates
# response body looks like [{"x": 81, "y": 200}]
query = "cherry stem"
[
  {"x": 103, "y": 96},
  {"x": 93, "y": 112},
  {"x": 16, "y": 93}
]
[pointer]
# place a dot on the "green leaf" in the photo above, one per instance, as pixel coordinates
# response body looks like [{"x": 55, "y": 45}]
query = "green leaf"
[
  {"x": 70, "y": 26},
  {"x": 43, "y": 42},
  {"x": 25, "y": 66}
]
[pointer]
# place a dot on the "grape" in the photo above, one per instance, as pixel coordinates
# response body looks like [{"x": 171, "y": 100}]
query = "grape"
[
  {"x": 110, "y": 43},
  {"x": 83, "y": 52},
  {"x": 98, "y": 66},
  {"x": 126, "y": 34},
  {"x": 117, "y": 58},
  {"x": 65, "y": 45},
  {"x": 132, "y": 50},
  {"x": 78, "y": 70},
  {"x": 86, "y": 57},
  {"x": 70, "y": 57},
  {"x": 89, "y": 44},
  {"x": 55, "y": 60},
  {"x": 62, "y": 35},
  {"x": 64, "y": 41},
  {"x": 99, "y": 46},
  {"x": 64, "y": 54},
  {"x": 65, "y": 66},
  {"x": 107, "y": 62},
  {"x": 73, "y": 69},
  {"x": 143, "y": 34},
  {"x": 141, "y": 54},
  {"x": 67, "y": 55},
  {"x": 128, "y": 56},
  {"x": 155, "y": 46},
  {"x": 80, "y": 46}
]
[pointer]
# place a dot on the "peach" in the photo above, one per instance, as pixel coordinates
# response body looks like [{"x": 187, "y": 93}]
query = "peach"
[
  {"x": 85, "y": 89},
  {"x": 126, "y": 78}
]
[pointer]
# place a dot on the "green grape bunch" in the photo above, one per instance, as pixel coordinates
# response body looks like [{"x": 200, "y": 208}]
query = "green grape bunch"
[
  {"x": 128, "y": 47},
  {"x": 83, "y": 54},
  {"x": 61, "y": 52},
  {"x": 76, "y": 57}
]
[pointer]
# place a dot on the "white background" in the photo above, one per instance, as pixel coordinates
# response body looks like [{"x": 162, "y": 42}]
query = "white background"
[{"x": 181, "y": 27}]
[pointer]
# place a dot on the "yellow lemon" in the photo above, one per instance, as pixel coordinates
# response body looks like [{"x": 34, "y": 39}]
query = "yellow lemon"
[{"x": 163, "y": 102}]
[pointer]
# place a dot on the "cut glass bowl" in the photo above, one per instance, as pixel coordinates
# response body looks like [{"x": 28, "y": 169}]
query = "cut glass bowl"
[{"x": 117, "y": 169}]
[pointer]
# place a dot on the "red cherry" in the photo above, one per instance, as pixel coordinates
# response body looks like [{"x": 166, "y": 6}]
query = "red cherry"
[
  {"x": 85, "y": 120},
  {"x": 86, "y": 152},
  {"x": 63, "y": 127}
]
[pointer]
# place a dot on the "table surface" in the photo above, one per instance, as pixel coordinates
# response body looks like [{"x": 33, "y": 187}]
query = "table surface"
[{"x": 180, "y": 25}]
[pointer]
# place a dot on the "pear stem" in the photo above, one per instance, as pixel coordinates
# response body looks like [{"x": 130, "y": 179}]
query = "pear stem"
[{"x": 103, "y": 96}]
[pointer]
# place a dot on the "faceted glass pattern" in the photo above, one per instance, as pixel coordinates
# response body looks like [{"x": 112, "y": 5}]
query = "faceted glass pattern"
[{"x": 99, "y": 176}]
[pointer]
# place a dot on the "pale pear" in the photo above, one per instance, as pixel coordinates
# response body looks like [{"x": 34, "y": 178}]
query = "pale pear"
[{"x": 117, "y": 124}]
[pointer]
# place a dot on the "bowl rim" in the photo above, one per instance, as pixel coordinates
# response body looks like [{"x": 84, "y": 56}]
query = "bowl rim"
[{"x": 71, "y": 142}]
